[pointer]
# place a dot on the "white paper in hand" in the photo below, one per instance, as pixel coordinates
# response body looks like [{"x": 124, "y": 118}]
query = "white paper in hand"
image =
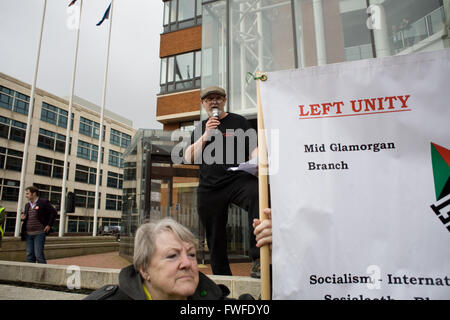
[{"x": 250, "y": 166}]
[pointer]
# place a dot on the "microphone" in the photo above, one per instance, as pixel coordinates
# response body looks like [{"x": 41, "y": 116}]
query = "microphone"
[{"x": 215, "y": 112}]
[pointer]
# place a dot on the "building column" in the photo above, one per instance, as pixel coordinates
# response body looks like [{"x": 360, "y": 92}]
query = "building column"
[
  {"x": 446, "y": 39},
  {"x": 380, "y": 29},
  {"x": 297, "y": 12},
  {"x": 320, "y": 33}
]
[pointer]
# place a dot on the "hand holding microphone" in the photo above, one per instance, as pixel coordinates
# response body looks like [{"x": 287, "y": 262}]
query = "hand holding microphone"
[
  {"x": 215, "y": 112},
  {"x": 212, "y": 123}
]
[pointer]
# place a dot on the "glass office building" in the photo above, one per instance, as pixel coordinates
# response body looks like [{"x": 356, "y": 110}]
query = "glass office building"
[
  {"x": 238, "y": 38},
  {"x": 242, "y": 36}
]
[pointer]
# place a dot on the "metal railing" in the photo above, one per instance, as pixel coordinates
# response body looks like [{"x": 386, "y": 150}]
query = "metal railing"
[
  {"x": 419, "y": 30},
  {"x": 358, "y": 52}
]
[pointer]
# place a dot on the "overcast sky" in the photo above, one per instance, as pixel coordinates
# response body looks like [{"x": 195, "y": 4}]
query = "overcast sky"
[{"x": 133, "y": 80}]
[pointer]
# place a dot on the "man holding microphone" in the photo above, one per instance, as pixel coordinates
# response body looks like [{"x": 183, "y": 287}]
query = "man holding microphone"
[{"x": 218, "y": 186}]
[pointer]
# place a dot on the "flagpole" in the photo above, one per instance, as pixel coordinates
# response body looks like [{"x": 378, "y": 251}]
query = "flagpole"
[
  {"x": 100, "y": 139},
  {"x": 28, "y": 131},
  {"x": 263, "y": 189},
  {"x": 69, "y": 121}
]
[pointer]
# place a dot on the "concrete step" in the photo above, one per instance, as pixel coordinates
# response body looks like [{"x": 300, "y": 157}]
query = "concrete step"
[
  {"x": 94, "y": 278},
  {"x": 13, "y": 249},
  {"x": 9, "y": 292}
]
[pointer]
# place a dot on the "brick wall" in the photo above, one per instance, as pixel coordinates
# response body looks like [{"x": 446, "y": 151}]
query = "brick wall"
[
  {"x": 178, "y": 103},
  {"x": 181, "y": 41}
]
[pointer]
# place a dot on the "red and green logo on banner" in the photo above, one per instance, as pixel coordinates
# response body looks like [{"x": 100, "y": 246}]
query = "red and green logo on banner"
[{"x": 440, "y": 158}]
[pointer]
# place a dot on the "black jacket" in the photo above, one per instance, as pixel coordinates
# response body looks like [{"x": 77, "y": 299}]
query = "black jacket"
[
  {"x": 46, "y": 214},
  {"x": 130, "y": 288}
]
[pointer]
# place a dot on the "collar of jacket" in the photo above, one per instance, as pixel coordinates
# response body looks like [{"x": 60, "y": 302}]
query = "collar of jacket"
[
  {"x": 130, "y": 282},
  {"x": 38, "y": 203}
]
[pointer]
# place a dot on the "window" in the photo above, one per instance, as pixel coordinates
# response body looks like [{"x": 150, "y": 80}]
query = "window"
[
  {"x": 21, "y": 103},
  {"x": 5, "y": 124},
  {"x": 110, "y": 222},
  {"x": 87, "y": 175},
  {"x": 12, "y": 100},
  {"x": 119, "y": 138},
  {"x": 88, "y": 151},
  {"x": 12, "y": 130},
  {"x": 9, "y": 189},
  {"x": 115, "y": 180},
  {"x": 6, "y": 98},
  {"x": 52, "y": 141},
  {"x": 80, "y": 224},
  {"x": 129, "y": 171},
  {"x": 181, "y": 72},
  {"x": 115, "y": 159},
  {"x": 187, "y": 126},
  {"x": 10, "y": 159},
  {"x": 55, "y": 115},
  {"x": 129, "y": 199},
  {"x": 86, "y": 199},
  {"x": 51, "y": 193},
  {"x": 115, "y": 137},
  {"x": 180, "y": 14},
  {"x": 90, "y": 128},
  {"x": 18, "y": 131},
  {"x": 126, "y": 139},
  {"x": 10, "y": 223},
  {"x": 113, "y": 202},
  {"x": 49, "y": 167}
]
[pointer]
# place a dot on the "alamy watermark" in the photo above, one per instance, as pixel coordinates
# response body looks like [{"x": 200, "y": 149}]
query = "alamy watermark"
[
  {"x": 229, "y": 147},
  {"x": 74, "y": 278},
  {"x": 374, "y": 273},
  {"x": 374, "y": 20},
  {"x": 73, "y": 17}
]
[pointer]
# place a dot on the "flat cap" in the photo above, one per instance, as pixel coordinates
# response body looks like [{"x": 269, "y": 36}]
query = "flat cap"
[{"x": 210, "y": 90}]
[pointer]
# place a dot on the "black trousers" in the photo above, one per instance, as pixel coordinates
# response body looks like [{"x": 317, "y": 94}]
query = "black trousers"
[{"x": 213, "y": 213}]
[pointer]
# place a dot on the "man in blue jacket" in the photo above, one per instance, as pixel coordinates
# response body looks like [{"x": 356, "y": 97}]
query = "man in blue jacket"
[{"x": 38, "y": 218}]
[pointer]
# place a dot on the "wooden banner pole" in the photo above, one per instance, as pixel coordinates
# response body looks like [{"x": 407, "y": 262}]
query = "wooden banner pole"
[{"x": 263, "y": 171}]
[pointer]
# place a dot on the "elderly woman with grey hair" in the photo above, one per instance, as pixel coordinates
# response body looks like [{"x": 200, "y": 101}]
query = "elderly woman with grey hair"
[{"x": 164, "y": 268}]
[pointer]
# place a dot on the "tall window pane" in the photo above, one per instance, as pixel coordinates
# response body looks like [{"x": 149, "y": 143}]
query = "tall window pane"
[
  {"x": 170, "y": 71},
  {"x": 198, "y": 63},
  {"x": 199, "y": 7},
  {"x": 173, "y": 11},
  {"x": 5, "y": 101},
  {"x": 163, "y": 72},
  {"x": 21, "y": 106},
  {"x": 166, "y": 12},
  {"x": 184, "y": 66},
  {"x": 186, "y": 9}
]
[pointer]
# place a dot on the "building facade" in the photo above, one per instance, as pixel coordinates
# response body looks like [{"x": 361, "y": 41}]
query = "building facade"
[
  {"x": 224, "y": 42},
  {"x": 178, "y": 103},
  {"x": 46, "y": 154},
  {"x": 241, "y": 36},
  {"x": 219, "y": 42}
]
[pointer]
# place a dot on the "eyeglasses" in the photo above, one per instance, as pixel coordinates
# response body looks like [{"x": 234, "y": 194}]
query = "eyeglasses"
[{"x": 217, "y": 99}]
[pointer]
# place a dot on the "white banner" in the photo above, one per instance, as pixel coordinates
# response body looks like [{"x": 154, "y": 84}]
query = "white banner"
[{"x": 360, "y": 196}]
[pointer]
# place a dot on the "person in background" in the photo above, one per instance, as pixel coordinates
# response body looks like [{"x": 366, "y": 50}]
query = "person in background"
[
  {"x": 2, "y": 223},
  {"x": 38, "y": 219}
]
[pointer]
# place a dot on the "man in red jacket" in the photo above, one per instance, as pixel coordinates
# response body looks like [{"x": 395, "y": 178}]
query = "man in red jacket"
[{"x": 38, "y": 219}]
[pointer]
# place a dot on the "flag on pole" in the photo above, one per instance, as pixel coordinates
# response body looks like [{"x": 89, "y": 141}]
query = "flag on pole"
[
  {"x": 72, "y": 2},
  {"x": 105, "y": 16}
]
